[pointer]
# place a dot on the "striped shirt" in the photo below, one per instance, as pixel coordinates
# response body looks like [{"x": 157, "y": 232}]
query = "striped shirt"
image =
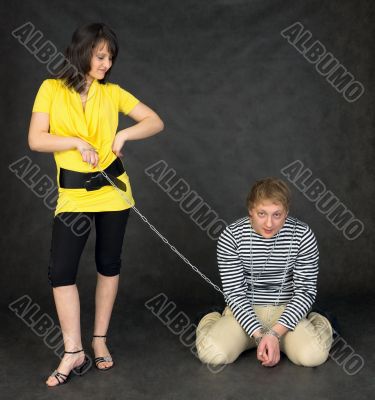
[{"x": 299, "y": 288}]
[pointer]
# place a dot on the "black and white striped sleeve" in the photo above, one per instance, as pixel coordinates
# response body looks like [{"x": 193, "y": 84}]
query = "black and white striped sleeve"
[
  {"x": 305, "y": 276},
  {"x": 234, "y": 283}
]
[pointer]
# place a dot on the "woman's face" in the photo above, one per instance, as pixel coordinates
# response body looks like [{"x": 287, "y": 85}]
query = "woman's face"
[{"x": 101, "y": 61}]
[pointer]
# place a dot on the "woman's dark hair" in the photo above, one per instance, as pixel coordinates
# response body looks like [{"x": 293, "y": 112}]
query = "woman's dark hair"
[{"x": 78, "y": 54}]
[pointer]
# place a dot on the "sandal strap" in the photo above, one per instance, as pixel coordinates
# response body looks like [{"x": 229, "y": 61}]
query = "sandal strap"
[
  {"x": 99, "y": 360},
  {"x": 59, "y": 375},
  {"x": 73, "y": 352},
  {"x": 99, "y": 335}
]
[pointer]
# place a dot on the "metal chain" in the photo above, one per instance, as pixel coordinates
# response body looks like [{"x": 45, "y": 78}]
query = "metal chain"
[
  {"x": 183, "y": 258},
  {"x": 163, "y": 238},
  {"x": 253, "y": 280},
  {"x": 285, "y": 268},
  {"x": 287, "y": 262}
]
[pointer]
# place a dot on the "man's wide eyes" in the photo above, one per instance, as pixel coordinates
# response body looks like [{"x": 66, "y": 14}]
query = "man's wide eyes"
[{"x": 262, "y": 214}]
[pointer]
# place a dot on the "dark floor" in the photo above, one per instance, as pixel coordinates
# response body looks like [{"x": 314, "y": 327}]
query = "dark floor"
[{"x": 151, "y": 363}]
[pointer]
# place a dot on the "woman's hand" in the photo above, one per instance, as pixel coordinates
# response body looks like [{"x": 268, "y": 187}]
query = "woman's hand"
[
  {"x": 268, "y": 352},
  {"x": 88, "y": 152},
  {"x": 118, "y": 143}
]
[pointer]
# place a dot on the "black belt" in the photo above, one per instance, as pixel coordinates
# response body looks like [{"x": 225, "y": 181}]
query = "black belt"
[{"x": 92, "y": 180}]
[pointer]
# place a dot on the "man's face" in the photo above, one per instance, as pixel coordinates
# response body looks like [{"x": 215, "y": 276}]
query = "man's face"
[{"x": 267, "y": 217}]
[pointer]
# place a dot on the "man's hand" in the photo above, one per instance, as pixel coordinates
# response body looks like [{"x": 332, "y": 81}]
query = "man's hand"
[{"x": 268, "y": 352}]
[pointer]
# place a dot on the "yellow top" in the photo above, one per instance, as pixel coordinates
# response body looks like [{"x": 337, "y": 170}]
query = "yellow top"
[{"x": 97, "y": 125}]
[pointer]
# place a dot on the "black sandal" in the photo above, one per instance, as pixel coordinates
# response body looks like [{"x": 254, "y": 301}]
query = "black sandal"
[
  {"x": 99, "y": 360},
  {"x": 80, "y": 370}
]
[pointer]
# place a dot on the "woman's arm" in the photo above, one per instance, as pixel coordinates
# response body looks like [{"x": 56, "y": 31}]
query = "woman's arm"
[
  {"x": 41, "y": 140},
  {"x": 148, "y": 124}
]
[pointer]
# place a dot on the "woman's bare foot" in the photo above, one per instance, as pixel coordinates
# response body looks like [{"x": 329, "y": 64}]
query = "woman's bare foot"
[
  {"x": 101, "y": 350},
  {"x": 68, "y": 362}
]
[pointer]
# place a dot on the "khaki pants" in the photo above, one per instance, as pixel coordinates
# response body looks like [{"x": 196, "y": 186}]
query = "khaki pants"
[{"x": 220, "y": 339}]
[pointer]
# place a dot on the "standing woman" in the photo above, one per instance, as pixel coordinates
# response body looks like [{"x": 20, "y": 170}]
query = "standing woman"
[{"x": 75, "y": 116}]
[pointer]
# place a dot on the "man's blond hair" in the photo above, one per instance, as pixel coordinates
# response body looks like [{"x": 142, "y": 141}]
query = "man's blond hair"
[{"x": 273, "y": 189}]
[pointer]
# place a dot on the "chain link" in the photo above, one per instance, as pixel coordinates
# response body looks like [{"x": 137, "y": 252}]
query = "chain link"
[
  {"x": 173, "y": 248},
  {"x": 163, "y": 238}
]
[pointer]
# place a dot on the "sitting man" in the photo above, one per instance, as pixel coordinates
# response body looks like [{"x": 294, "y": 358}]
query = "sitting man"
[{"x": 268, "y": 264}]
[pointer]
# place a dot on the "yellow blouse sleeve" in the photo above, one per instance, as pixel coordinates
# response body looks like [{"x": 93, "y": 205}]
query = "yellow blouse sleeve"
[
  {"x": 126, "y": 101},
  {"x": 44, "y": 96}
]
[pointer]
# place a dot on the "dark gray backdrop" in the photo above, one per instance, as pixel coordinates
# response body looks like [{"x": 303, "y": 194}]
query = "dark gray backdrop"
[{"x": 239, "y": 103}]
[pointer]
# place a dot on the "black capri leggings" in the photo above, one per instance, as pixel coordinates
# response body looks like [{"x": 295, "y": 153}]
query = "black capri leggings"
[{"x": 70, "y": 231}]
